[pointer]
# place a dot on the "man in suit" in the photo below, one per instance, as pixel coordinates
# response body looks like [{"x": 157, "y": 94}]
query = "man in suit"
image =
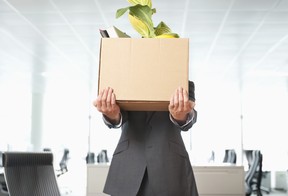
[{"x": 150, "y": 158}]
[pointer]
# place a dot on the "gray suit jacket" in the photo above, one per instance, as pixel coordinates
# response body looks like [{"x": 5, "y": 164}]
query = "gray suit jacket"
[{"x": 150, "y": 140}]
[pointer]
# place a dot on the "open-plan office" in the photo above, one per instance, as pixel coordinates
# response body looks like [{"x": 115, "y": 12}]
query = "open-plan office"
[{"x": 49, "y": 63}]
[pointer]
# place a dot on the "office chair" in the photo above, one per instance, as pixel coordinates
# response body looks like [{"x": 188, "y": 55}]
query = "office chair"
[
  {"x": 102, "y": 157},
  {"x": 230, "y": 156},
  {"x": 47, "y": 149},
  {"x": 3, "y": 187},
  {"x": 63, "y": 163},
  {"x": 90, "y": 158},
  {"x": 253, "y": 177},
  {"x": 212, "y": 157},
  {"x": 258, "y": 180},
  {"x": 30, "y": 174}
]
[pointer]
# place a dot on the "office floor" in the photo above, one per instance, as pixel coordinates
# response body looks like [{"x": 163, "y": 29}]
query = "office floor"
[{"x": 274, "y": 193}]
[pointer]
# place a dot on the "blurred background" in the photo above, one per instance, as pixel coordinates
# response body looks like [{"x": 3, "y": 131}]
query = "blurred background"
[{"x": 49, "y": 57}]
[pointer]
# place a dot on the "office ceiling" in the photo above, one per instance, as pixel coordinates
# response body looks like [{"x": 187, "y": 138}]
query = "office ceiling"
[{"x": 239, "y": 42}]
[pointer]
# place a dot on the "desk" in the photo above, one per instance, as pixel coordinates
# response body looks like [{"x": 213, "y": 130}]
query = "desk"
[
  {"x": 96, "y": 177},
  {"x": 211, "y": 180},
  {"x": 220, "y": 180}
]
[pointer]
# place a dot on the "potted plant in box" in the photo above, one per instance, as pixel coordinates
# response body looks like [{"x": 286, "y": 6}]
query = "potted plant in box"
[{"x": 140, "y": 16}]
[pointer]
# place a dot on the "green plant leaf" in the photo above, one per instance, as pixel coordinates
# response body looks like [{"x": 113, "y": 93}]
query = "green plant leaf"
[
  {"x": 143, "y": 13},
  {"x": 140, "y": 16},
  {"x": 141, "y": 2},
  {"x": 162, "y": 24},
  {"x": 139, "y": 26},
  {"x": 168, "y": 35},
  {"x": 162, "y": 28},
  {"x": 121, "y": 11}
]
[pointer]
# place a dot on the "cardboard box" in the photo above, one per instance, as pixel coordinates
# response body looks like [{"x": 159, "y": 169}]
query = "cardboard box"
[{"x": 144, "y": 72}]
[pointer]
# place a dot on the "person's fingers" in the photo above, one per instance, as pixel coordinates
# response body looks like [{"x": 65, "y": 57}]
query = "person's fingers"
[
  {"x": 98, "y": 101},
  {"x": 109, "y": 93},
  {"x": 186, "y": 100},
  {"x": 94, "y": 103},
  {"x": 171, "y": 103},
  {"x": 104, "y": 96},
  {"x": 180, "y": 98},
  {"x": 192, "y": 104},
  {"x": 109, "y": 97},
  {"x": 176, "y": 99},
  {"x": 113, "y": 99},
  {"x": 185, "y": 95},
  {"x": 103, "y": 100}
]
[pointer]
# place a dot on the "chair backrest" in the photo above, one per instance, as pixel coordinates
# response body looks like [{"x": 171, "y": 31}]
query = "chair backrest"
[
  {"x": 249, "y": 157},
  {"x": 30, "y": 174},
  {"x": 90, "y": 158},
  {"x": 230, "y": 156},
  {"x": 255, "y": 167}
]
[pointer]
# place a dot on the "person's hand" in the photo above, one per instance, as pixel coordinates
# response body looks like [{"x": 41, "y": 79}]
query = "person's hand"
[
  {"x": 106, "y": 104},
  {"x": 180, "y": 105}
]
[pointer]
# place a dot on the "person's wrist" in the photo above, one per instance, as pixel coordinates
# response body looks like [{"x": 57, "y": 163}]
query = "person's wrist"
[
  {"x": 114, "y": 119},
  {"x": 180, "y": 119}
]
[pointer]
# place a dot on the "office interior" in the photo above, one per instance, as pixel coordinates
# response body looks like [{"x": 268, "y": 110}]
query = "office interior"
[{"x": 49, "y": 61}]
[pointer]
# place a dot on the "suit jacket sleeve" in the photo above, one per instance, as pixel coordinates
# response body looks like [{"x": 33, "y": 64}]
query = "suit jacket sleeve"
[
  {"x": 123, "y": 119},
  {"x": 192, "y": 118}
]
